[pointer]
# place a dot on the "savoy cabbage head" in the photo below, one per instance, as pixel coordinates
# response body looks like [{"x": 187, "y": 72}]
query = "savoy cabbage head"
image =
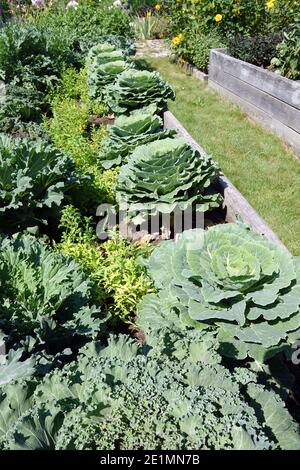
[
  {"x": 34, "y": 180},
  {"x": 135, "y": 89},
  {"x": 47, "y": 302},
  {"x": 166, "y": 175},
  {"x": 229, "y": 279},
  {"x": 125, "y": 397},
  {"x": 129, "y": 132}
]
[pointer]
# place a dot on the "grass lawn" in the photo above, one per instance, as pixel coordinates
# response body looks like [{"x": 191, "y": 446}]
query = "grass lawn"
[{"x": 256, "y": 161}]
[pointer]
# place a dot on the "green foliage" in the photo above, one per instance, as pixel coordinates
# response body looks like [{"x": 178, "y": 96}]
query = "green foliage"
[
  {"x": 113, "y": 266},
  {"x": 21, "y": 108},
  {"x": 104, "y": 64},
  {"x": 148, "y": 27},
  {"x": 25, "y": 57},
  {"x": 245, "y": 17},
  {"x": 166, "y": 175},
  {"x": 80, "y": 29},
  {"x": 231, "y": 280},
  {"x": 258, "y": 50},
  {"x": 73, "y": 133},
  {"x": 137, "y": 88},
  {"x": 287, "y": 57},
  {"x": 129, "y": 132},
  {"x": 48, "y": 303},
  {"x": 195, "y": 46},
  {"x": 34, "y": 179},
  {"x": 120, "y": 397},
  {"x": 12, "y": 368},
  {"x": 30, "y": 67}
]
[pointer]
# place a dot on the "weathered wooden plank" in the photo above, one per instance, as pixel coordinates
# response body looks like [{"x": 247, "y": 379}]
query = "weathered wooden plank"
[
  {"x": 271, "y": 83},
  {"x": 283, "y": 112},
  {"x": 234, "y": 202},
  {"x": 291, "y": 137}
]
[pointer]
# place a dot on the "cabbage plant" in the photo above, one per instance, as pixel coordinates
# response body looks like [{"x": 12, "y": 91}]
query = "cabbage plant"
[
  {"x": 101, "y": 75},
  {"x": 120, "y": 397},
  {"x": 137, "y": 88},
  {"x": 104, "y": 53},
  {"x": 47, "y": 302},
  {"x": 229, "y": 279},
  {"x": 34, "y": 179},
  {"x": 166, "y": 175},
  {"x": 128, "y": 132}
]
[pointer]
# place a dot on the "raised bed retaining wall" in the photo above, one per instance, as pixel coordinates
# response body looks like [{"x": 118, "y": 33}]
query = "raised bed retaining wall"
[
  {"x": 234, "y": 203},
  {"x": 272, "y": 100}
]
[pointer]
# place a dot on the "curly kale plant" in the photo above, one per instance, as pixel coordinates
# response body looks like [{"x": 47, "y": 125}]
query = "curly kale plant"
[
  {"x": 128, "y": 132},
  {"x": 20, "y": 107},
  {"x": 34, "y": 179},
  {"x": 120, "y": 397},
  {"x": 47, "y": 302},
  {"x": 137, "y": 88},
  {"x": 229, "y": 279},
  {"x": 166, "y": 175}
]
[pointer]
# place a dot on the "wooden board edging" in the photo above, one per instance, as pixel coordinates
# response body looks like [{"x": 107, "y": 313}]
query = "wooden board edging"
[
  {"x": 234, "y": 202},
  {"x": 270, "y": 99},
  {"x": 191, "y": 70}
]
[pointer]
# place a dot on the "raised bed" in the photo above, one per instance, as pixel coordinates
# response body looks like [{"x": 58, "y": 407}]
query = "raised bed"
[
  {"x": 272, "y": 100},
  {"x": 191, "y": 70},
  {"x": 235, "y": 205}
]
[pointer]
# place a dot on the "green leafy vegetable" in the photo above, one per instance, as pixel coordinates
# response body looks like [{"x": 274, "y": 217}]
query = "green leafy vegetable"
[
  {"x": 137, "y": 88},
  {"x": 165, "y": 175},
  {"x": 231, "y": 279},
  {"x": 47, "y": 301},
  {"x": 120, "y": 397},
  {"x": 129, "y": 132},
  {"x": 34, "y": 178}
]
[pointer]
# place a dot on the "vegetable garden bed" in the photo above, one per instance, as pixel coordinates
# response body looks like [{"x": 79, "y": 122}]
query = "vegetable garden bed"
[{"x": 217, "y": 310}]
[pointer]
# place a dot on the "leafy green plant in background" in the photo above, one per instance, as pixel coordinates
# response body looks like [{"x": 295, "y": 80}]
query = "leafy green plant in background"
[
  {"x": 129, "y": 132},
  {"x": 49, "y": 304},
  {"x": 34, "y": 181},
  {"x": 258, "y": 50},
  {"x": 146, "y": 27},
  {"x": 232, "y": 17},
  {"x": 25, "y": 57},
  {"x": 287, "y": 57},
  {"x": 253, "y": 29},
  {"x": 98, "y": 401},
  {"x": 231, "y": 280},
  {"x": 80, "y": 29},
  {"x": 21, "y": 109},
  {"x": 120, "y": 280},
  {"x": 137, "y": 88},
  {"x": 163, "y": 176},
  {"x": 195, "y": 46},
  {"x": 73, "y": 133}
]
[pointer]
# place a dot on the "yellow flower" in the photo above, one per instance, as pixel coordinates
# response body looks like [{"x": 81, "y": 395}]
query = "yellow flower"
[
  {"x": 157, "y": 7},
  {"x": 218, "y": 18},
  {"x": 270, "y": 4},
  {"x": 177, "y": 40},
  {"x": 149, "y": 13}
]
